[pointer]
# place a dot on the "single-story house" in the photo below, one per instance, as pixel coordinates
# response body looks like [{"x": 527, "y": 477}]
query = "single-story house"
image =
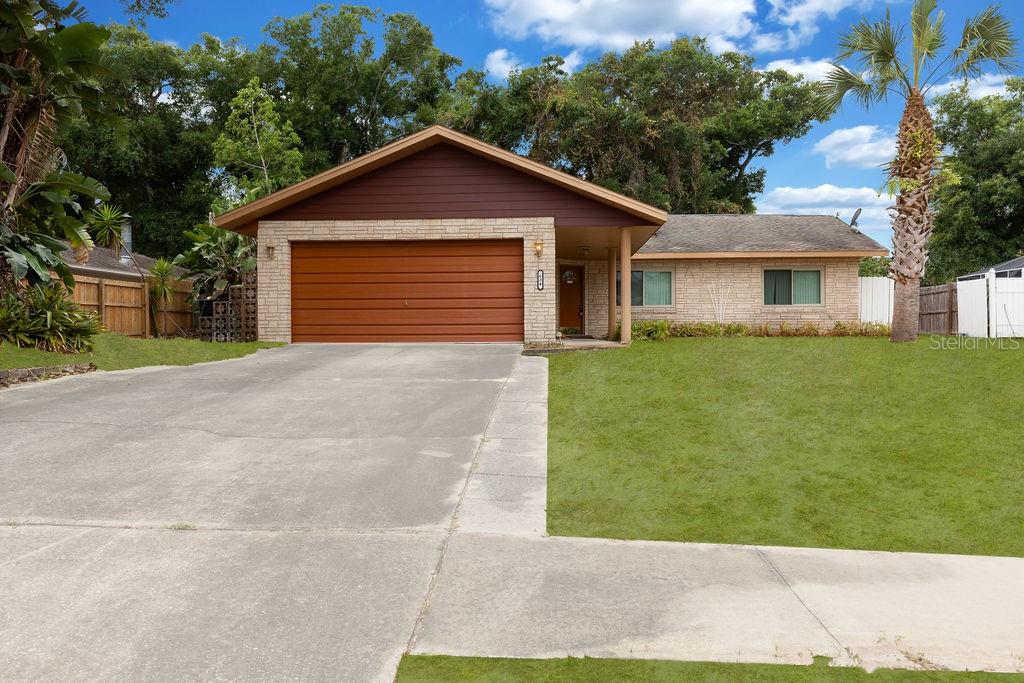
[{"x": 441, "y": 237}]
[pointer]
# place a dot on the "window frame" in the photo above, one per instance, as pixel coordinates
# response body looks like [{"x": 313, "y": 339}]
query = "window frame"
[
  {"x": 820, "y": 270},
  {"x": 671, "y": 287}
]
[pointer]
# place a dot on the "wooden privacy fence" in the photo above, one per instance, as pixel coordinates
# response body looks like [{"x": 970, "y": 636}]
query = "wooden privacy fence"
[
  {"x": 939, "y": 310},
  {"x": 123, "y": 306}
]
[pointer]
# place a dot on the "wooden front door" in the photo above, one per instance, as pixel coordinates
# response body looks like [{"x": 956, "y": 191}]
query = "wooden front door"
[{"x": 570, "y": 299}]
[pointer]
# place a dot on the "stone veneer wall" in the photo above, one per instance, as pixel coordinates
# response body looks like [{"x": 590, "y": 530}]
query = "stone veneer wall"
[
  {"x": 745, "y": 302},
  {"x": 274, "y": 293}
]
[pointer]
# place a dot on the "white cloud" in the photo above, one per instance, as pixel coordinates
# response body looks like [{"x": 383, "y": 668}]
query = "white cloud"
[
  {"x": 810, "y": 69},
  {"x": 718, "y": 44},
  {"x": 982, "y": 86},
  {"x": 800, "y": 19},
  {"x": 830, "y": 200},
  {"x": 617, "y": 24},
  {"x": 573, "y": 60},
  {"x": 500, "y": 62},
  {"x": 860, "y": 146}
]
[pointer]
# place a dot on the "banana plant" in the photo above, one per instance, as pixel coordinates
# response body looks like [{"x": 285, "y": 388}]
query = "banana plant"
[
  {"x": 217, "y": 259},
  {"x": 49, "y": 59}
]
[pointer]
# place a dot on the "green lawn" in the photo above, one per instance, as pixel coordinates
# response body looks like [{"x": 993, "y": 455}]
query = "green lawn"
[
  {"x": 827, "y": 442},
  {"x": 435, "y": 669},
  {"x": 117, "y": 352}
]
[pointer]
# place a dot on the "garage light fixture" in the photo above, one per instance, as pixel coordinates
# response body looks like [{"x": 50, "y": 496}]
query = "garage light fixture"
[
  {"x": 538, "y": 248},
  {"x": 270, "y": 252}
]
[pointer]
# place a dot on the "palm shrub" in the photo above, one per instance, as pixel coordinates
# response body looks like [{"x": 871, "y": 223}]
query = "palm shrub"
[
  {"x": 161, "y": 288},
  {"x": 883, "y": 65},
  {"x": 44, "y": 317}
]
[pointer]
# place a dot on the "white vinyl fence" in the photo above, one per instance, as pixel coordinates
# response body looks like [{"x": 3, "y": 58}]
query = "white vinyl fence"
[
  {"x": 991, "y": 306},
  {"x": 876, "y": 297}
]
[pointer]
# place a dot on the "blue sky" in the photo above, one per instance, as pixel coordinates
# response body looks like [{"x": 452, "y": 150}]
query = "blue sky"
[{"x": 834, "y": 169}]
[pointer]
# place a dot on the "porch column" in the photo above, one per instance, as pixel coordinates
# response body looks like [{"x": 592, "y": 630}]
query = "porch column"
[
  {"x": 611, "y": 293},
  {"x": 626, "y": 282}
]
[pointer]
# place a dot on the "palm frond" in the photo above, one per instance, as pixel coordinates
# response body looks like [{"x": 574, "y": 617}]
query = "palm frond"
[
  {"x": 875, "y": 47},
  {"x": 840, "y": 82},
  {"x": 928, "y": 37},
  {"x": 987, "y": 37}
]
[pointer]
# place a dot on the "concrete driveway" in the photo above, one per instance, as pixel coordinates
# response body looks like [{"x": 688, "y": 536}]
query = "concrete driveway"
[{"x": 280, "y": 515}]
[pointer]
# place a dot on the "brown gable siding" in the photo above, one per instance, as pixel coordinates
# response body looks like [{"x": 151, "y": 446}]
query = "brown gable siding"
[{"x": 444, "y": 181}]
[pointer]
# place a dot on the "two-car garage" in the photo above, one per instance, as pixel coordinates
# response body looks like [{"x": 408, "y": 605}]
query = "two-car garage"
[{"x": 440, "y": 290}]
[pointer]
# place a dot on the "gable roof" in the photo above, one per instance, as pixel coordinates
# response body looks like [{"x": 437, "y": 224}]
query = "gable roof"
[
  {"x": 747, "y": 235},
  {"x": 244, "y": 216}
]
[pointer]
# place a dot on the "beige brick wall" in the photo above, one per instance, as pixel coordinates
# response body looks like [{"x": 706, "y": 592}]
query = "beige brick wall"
[
  {"x": 274, "y": 294},
  {"x": 743, "y": 279}
]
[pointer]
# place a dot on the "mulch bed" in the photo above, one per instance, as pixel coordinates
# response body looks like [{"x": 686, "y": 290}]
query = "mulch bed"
[{"x": 23, "y": 375}]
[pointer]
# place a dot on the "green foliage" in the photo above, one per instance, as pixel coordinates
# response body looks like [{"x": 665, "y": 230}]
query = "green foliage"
[
  {"x": 106, "y": 224},
  {"x": 42, "y": 316},
  {"x": 349, "y": 92},
  {"x": 258, "y": 150},
  {"x": 50, "y": 59},
  {"x": 30, "y": 256},
  {"x": 162, "y": 278},
  {"x": 979, "y": 222},
  {"x": 651, "y": 330},
  {"x": 217, "y": 259},
  {"x": 874, "y": 266},
  {"x": 161, "y": 172},
  {"x": 784, "y": 329},
  {"x": 678, "y": 127}
]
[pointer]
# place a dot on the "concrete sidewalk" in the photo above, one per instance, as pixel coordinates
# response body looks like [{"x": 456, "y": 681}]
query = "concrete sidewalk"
[{"x": 504, "y": 596}]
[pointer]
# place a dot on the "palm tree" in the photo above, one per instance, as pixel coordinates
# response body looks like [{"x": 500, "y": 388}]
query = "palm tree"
[{"x": 882, "y": 68}]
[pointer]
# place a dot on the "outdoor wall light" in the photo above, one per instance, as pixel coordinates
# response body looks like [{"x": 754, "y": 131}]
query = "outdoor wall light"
[
  {"x": 538, "y": 248},
  {"x": 270, "y": 252}
]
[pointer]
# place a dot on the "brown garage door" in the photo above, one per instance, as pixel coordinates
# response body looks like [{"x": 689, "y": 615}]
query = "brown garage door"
[{"x": 464, "y": 290}]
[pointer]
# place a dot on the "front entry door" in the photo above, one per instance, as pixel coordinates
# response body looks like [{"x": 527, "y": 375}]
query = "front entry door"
[{"x": 570, "y": 299}]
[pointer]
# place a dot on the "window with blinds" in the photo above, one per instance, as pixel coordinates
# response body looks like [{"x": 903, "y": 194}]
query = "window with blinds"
[{"x": 792, "y": 287}]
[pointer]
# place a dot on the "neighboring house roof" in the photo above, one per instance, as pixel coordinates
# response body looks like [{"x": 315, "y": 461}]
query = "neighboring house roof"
[
  {"x": 244, "y": 217},
  {"x": 105, "y": 263},
  {"x": 1012, "y": 268},
  {"x": 747, "y": 235}
]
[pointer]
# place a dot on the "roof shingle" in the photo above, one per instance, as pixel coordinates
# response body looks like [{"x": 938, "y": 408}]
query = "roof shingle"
[{"x": 697, "y": 233}]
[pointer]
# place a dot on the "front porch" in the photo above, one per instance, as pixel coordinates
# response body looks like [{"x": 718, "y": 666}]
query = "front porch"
[{"x": 587, "y": 261}]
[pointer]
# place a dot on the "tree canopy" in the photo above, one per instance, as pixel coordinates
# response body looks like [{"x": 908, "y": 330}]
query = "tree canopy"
[
  {"x": 980, "y": 220},
  {"x": 258, "y": 150},
  {"x": 679, "y": 126}
]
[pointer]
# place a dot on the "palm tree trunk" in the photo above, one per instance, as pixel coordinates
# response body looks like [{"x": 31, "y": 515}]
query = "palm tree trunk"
[{"x": 916, "y": 150}]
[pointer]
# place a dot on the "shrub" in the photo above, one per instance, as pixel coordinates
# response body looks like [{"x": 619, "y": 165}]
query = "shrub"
[
  {"x": 44, "y": 317},
  {"x": 651, "y": 330},
  {"x": 784, "y": 329}
]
